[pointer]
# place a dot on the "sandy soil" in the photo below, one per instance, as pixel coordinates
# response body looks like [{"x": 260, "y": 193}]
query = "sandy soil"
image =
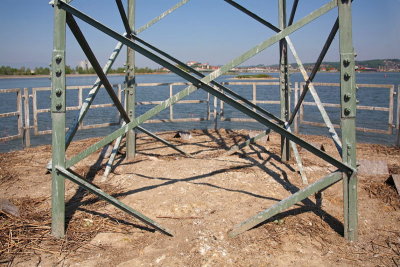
[{"x": 200, "y": 199}]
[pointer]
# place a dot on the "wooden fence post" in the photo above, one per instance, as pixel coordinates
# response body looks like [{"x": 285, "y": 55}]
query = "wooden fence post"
[
  {"x": 27, "y": 133},
  {"x": 398, "y": 117}
]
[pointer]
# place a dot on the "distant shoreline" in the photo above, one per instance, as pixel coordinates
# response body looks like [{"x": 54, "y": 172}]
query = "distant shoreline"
[
  {"x": 157, "y": 73},
  {"x": 68, "y": 75},
  {"x": 274, "y": 78}
]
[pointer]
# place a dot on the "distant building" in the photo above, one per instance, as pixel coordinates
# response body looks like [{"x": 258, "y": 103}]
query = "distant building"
[
  {"x": 191, "y": 63},
  {"x": 85, "y": 64}
]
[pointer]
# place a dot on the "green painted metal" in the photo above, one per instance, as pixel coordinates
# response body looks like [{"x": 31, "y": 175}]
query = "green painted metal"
[
  {"x": 248, "y": 142},
  {"x": 313, "y": 92},
  {"x": 293, "y": 12},
  {"x": 58, "y": 123},
  {"x": 348, "y": 122},
  {"x": 98, "y": 192},
  {"x": 60, "y": 141},
  {"x": 235, "y": 62},
  {"x": 254, "y": 16},
  {"x": 201, "y": 75},
  {"x": 271, "y": 26},
  {"x": 317, "y": 100},
  {"x": 130, "y": 83},
  {"x": 114, "y": 152},
  {"x": 347, "y": 92},
  {"x": 79, "y": 36},
  {"x": 95, "y": 64},
  {"x": 299, "y": 162},
  {"x": 134, "y": 123},
  {"x": 89, "y": 99},
  {"x": 220, "y": 95},
  {"x": 321, "y": 57},
  {"x": 297, "y": 158},
  {"x": 398, "y": 117},
  {"x": 286, "y": 203},
  {"x": 91, "y": 95},
  {"x": 208, "y": 78},
  {"x": 284, "y": 80},
  {"x": 155, "y": 20}
]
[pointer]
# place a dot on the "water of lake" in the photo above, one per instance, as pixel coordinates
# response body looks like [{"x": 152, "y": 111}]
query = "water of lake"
[{"x": 366, "y": 96}]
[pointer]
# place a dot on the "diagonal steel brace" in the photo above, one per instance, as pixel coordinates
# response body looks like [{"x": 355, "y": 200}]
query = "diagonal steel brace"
[
  {"x": 98, "y": 192},
  {"x": 307, "y": 78},
  {"x": 286, "y": 203},
  {"x": 92, "y": 93},
  {"x": 203, "y": 83}
]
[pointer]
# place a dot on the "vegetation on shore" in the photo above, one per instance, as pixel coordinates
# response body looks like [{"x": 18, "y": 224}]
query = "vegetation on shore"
[
  {"x": 7, "y": 70},
  {"x": 255, "y": 76},
  {"x": 378, "y": 64}
]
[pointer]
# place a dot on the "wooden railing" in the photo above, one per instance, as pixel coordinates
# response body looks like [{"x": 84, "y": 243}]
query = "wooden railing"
[
  {"x": 389, "y": 109},
  {"x": 23, "y": 117},
  {"x": 23, "y": 107}
]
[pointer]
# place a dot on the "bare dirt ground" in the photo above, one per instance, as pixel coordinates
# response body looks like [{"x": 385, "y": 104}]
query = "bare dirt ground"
[{"x": 200, "y": 199}]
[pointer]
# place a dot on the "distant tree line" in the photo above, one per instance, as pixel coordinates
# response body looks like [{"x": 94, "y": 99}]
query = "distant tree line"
[{"x": 7, "y": 70}]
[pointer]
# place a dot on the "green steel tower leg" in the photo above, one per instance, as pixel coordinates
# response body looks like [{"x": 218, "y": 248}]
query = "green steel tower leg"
[
  {"x": 348, "y": 118},
  {"x": 58, "y": 122},
  {"x": 284, "y": 80},
  {"x": 130, "y": 83}
]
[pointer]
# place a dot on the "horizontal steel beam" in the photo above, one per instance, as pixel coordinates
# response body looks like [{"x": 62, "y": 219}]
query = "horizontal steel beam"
[
  {"x": 286, "y": 203},
  {"x": 101, "y": 194}
]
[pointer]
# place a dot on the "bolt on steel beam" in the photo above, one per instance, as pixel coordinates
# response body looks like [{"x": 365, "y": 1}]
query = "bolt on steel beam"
[
  {"x": 130, "y": 78},
  {"x": 58, "y": 109},
  {"x": 284, "y": 90},
  {"x": 348, "y": 118}
]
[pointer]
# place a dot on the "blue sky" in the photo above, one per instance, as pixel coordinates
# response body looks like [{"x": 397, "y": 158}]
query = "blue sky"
[{"x": 202, "y": 30}]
